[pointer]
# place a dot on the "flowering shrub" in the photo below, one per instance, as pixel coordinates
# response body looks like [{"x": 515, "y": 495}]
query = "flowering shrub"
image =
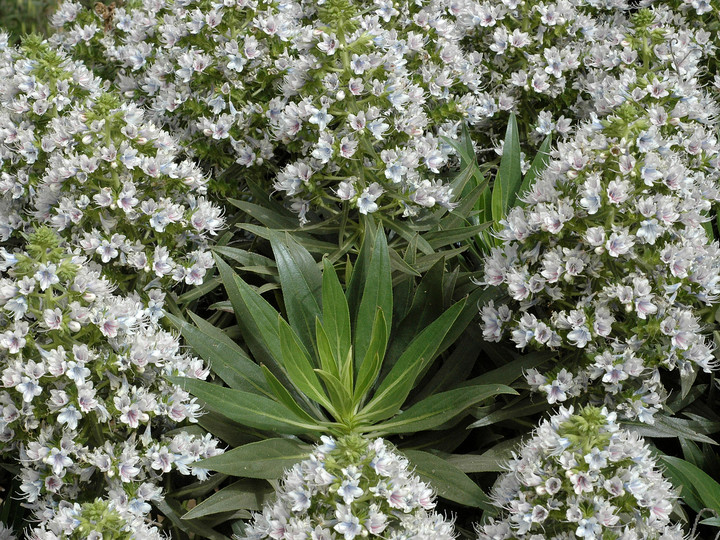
[
  {"x": 77, "y": 158},
  {"x": 582, "y": 476},
  {"x": 82, "y": 391},
  {"x": 610, "y": 257},
  {"x": 351, "y": 487},
  {"x": 348, "y": 99}
]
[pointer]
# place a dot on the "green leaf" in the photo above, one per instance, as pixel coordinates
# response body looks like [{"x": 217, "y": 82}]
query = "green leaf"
[
  {"x": 440, "y": 408},
  {"x": 281, "y": 394},
  {"x": 326, "y": 355},
  {"x": 399, "y": 382},
  {"x": 336, "y": 314},
  {"x": 371, "y": 364},
  {"x": 299, "y": 367},
  {"x": 670, "y": 427},
  {"x": 712, "y": 522},
  {"x": 172, "y": 509},
  {"x": 356, "y": 275},
  {"x": 224, "y": 356},
  {"x": 509, "y": 176},
  {"x": 377, "y": 292},
  {"x": 266, "y": 216},
  {"x": 493, "y": 460},
  {"x": 301, "y": 282},
  {"x": 538, "y": 166},
  {"x": 407, "y": 233},
  {"x": 263, "y": 459},
  {"x": 341, "y": 395},
  {"x": 242, "y": 495},
  {"x": 247, "y": 409},
  {"x": 256, "y": 318},
  {"x": 688, "y": 478},
  {"x": 247, "y": 258},
  {"x": 447, "y": 480},
  {"x": 519, "y": 409}
]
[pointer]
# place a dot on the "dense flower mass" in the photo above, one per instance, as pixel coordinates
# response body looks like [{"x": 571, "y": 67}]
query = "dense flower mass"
[
  {"x": 610, "y": 258},
  {"x": 77, "y": 158},
  {"x": 82, "y": 387},
  {"x": 349, "y": 99},
  {"x": 582, "y": 476},
  {"x": 97, "y": 520},
  {"x": 351, "y": 488}
]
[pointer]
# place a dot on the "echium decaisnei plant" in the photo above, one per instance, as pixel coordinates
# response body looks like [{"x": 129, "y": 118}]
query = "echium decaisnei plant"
[
  {"x": 582, "y": 476},
  {"x": 96, "y": 520},
  {"x": 348, "y": 99},
  {"x": 351, "y": 488},
  {"x": 610, "y": 259},
  {"x": 84, "y": 406},
  {"x": 79, "y": 159},
  {"x": 328, "y": 371}
]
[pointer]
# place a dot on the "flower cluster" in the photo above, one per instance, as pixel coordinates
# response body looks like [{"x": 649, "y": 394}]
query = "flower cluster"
[
  {"x": 77, "y": 158},
  {"x": 610, "y": 258},
  {"x": 349, "y": 488},
  {"x": 349, "y": 99},
  {"x": 97, "y": 520},
  {"x": 83, "y": 394},
  {"x": 582, "y": 476}
]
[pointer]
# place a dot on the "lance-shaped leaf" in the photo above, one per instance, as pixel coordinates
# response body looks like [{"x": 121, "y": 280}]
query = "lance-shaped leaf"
[
  {"x": 249, "y": 494},
  {"x": 223, "y": 355},
  {"x": 509, "y": 176},
  {"x": 263, "y": 459},
  {"x": 336, "y": 314},
  {"x": 299, "y": 367},
  {"x": 399, "y": 382},
  {"x": 447, "y": 480},
  {"x": 377, "y": 292},
  {"x": 438, "y": 409},
  {"x": 301, "y": 282},
  {"x": 248, "y": 409},
  {"x": 697, "y": 487},
  {"x": 371, "y": 364},
  {"x": 256, "y": 318}
]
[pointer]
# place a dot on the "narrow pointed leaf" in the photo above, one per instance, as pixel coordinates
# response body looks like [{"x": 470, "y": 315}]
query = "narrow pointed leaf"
[
  {"x": 688, "y": 478},
  {"x": 447, "y": 480},
  {"x": 301, "y": 282},
  {"x": 422, "y": 350},
  {"x": 247, "y": 494},
  {"x": 256, "y": 318},
  {"x": 371, "y": 364},
  {"x": 326, "y": 354},
  {"x": 440, "y": 408},
  {"x": 281, "y": 394},
  {"x": 263, "y": 459},
  {"x": 224, "y": 356},
  {"x": 377, "y": 292},
  {"x": 336, "y": 314},
  {"x": 247, "y": 409},
  {"x": 509, "y": 176},
  {"x": 341, "y": 395},
  {"x": 299, "y": 367}
]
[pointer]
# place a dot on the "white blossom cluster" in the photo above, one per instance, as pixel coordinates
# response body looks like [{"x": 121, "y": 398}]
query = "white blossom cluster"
[
  {"x": 582, "y": 476},
  {"x": 540, "y": 56},
  {"x": 609, "y": 259},
  {"x": 77, "y": 158},
  {"x": 347, "y": 98},
  {"x": 351, "y": 488},
  {"x": 83, "y": 395},
  {"x": 97, "y": 520}
]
